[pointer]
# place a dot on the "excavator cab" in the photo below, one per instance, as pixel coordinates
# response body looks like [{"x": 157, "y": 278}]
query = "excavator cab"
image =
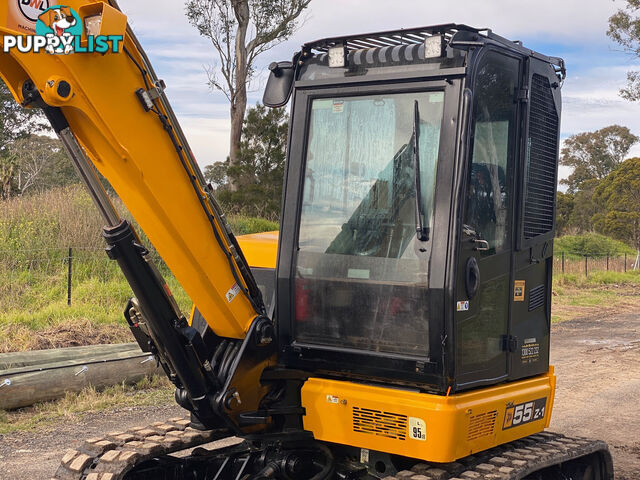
[{"x": 418, "y": 218}]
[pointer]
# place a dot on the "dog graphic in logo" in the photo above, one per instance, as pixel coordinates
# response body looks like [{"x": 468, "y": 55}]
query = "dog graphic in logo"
[{"x": 60, "y": 21}]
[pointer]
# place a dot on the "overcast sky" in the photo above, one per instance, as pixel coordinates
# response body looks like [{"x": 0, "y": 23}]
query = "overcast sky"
[{"x": 572, "y": 29}]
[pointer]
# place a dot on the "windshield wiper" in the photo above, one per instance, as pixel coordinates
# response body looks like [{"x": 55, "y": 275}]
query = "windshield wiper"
[{"x": 421, "y": 230}]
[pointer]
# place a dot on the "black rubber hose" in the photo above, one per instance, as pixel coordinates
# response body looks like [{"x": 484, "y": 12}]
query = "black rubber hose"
[
  {"x": 224, "y": 360},
  {"x": 215, "y": 359},
  {"x": 227, "y": 362},
  {"x": 267, "y": 472},
  {"x": 327, "y": 470}
]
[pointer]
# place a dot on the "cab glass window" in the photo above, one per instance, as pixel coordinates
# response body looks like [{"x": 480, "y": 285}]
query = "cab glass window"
[
  {"x": 361, "y": 273},
  {"x": 494, "y": 115}
]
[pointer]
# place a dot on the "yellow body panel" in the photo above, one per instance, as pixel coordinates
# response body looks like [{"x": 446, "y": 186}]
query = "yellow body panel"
[
  {"x": 383, "y": 419},
  {"x": 132, "y": 150},
  {"x": 260, "y": 249}
]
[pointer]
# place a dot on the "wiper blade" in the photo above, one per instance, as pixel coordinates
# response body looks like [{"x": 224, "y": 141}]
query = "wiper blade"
[{"x": 421, "y": 231}]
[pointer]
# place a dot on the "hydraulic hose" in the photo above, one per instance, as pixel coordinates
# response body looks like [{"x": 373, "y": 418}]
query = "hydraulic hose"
[{"x": 329, "y": 465}]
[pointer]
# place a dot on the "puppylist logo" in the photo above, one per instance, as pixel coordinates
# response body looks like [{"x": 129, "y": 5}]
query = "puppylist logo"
[{"x": 59, "y": 31}]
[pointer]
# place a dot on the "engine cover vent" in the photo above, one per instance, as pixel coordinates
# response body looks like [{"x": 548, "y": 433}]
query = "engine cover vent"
[
  {"x": 482, "y": 424},
  {"x": 536, "y": 297},
  {"x": 377, "y": 422}
]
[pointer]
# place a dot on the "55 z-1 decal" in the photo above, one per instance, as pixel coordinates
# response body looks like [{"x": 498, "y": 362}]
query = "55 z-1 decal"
[{"x": 516, "y": 415}]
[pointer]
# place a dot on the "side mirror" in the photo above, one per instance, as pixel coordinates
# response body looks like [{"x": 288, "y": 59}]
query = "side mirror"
[{"x": 279, "y": 84}]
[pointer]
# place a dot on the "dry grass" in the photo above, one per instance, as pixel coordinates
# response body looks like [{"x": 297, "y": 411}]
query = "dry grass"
[
  {"x": 35, "y": 234},
  {"x": 18, "y": 337},
  {"x": 571, "y": 301},
  {"x": 55, "y": 219}
]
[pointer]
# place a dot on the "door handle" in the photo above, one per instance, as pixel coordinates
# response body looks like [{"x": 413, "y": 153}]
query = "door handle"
[
  {"x": 480, "y": 245},
  {"x": 472, "y": 277}
]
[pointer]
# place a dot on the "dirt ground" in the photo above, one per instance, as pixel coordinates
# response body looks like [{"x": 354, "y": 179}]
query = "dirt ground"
[
  {"x": 597, "y": 360},
  {"x": 36, "y": 455}
]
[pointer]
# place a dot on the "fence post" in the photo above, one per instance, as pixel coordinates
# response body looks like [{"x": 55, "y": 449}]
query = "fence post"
[
  {"x": 562, "y": 262},
  {"x": 70, "y": 260},
  {"x": 607, "y": 262},
  {"x": 586, "y": 268},
  {"x": 625, "y": 263}
]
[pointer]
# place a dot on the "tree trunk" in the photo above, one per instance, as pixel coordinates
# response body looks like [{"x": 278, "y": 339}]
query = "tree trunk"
[
  {"x": 239, "y": 99},
  {"x": 237, "y": 117}
]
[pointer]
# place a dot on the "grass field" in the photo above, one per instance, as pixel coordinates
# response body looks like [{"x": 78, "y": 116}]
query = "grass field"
[
  {"x": 35, "y": 235},
  {"x": 575, "y": 295}
]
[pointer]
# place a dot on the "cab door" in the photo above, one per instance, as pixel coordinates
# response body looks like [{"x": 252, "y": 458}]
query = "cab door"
[{"x": 486, "y": 241}]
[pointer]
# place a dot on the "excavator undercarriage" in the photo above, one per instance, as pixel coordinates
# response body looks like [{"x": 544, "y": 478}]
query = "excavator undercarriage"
[{"x": 157, "y": 452}]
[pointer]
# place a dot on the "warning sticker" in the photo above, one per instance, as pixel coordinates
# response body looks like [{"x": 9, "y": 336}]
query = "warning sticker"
[
  {"x": 462, "y": 306},
  {"x": 364, "y": 455},
  {"x": 417, "y": 429},
  {"x": 338, "y": 106},
  {"x": 332, "y": 399},
  {"x": 518, "y": 291},
  {"x": 233, "y": 291},
  {"x": 321, "y": 104}
]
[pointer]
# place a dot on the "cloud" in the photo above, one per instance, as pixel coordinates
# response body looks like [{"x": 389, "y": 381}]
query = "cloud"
[
  {"x": 208, "y": 138},
  {"x": 568, "y": 28}
]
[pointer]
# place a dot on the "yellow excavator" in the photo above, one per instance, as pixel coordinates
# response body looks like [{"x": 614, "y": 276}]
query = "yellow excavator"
[{"x": 397, "y": 326}]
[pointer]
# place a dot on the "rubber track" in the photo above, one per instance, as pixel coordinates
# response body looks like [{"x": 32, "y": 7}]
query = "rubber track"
[
  {"x": 111, "y": 457},
  {"x": 511, "y": 461}
]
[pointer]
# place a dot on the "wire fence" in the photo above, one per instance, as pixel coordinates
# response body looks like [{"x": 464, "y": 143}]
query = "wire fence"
[
  {"x": 54, "y": 274},
  {"x": 586, "y": 264}
]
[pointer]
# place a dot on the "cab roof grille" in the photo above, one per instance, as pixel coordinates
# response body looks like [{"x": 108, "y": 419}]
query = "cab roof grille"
[
  {"x": 389, "y": 38},
  {"x": 414, "y": 36}
]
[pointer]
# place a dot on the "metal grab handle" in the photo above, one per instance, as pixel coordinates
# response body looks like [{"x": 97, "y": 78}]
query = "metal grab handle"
[{"x": 481, "y": 245}]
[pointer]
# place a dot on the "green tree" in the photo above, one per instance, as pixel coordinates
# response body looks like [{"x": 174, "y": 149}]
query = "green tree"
[
  {"x": 624, "y": 29},
  {"x": 41, "y": 163},
  {"x": 593, "y": 155},
  {"x": 619, "y": 194},
  {"x": 260, "y": 165},
  {"x": 216, "y": 175},
  {"x": 15, "y": 122},
  {"x": 564, "y": 208},
  {"x": 241, "y": 30},
  {"x": 584, "y": 207},
  {"x": 591, "y": 244},
  {"x": 8, "y": 164}
]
